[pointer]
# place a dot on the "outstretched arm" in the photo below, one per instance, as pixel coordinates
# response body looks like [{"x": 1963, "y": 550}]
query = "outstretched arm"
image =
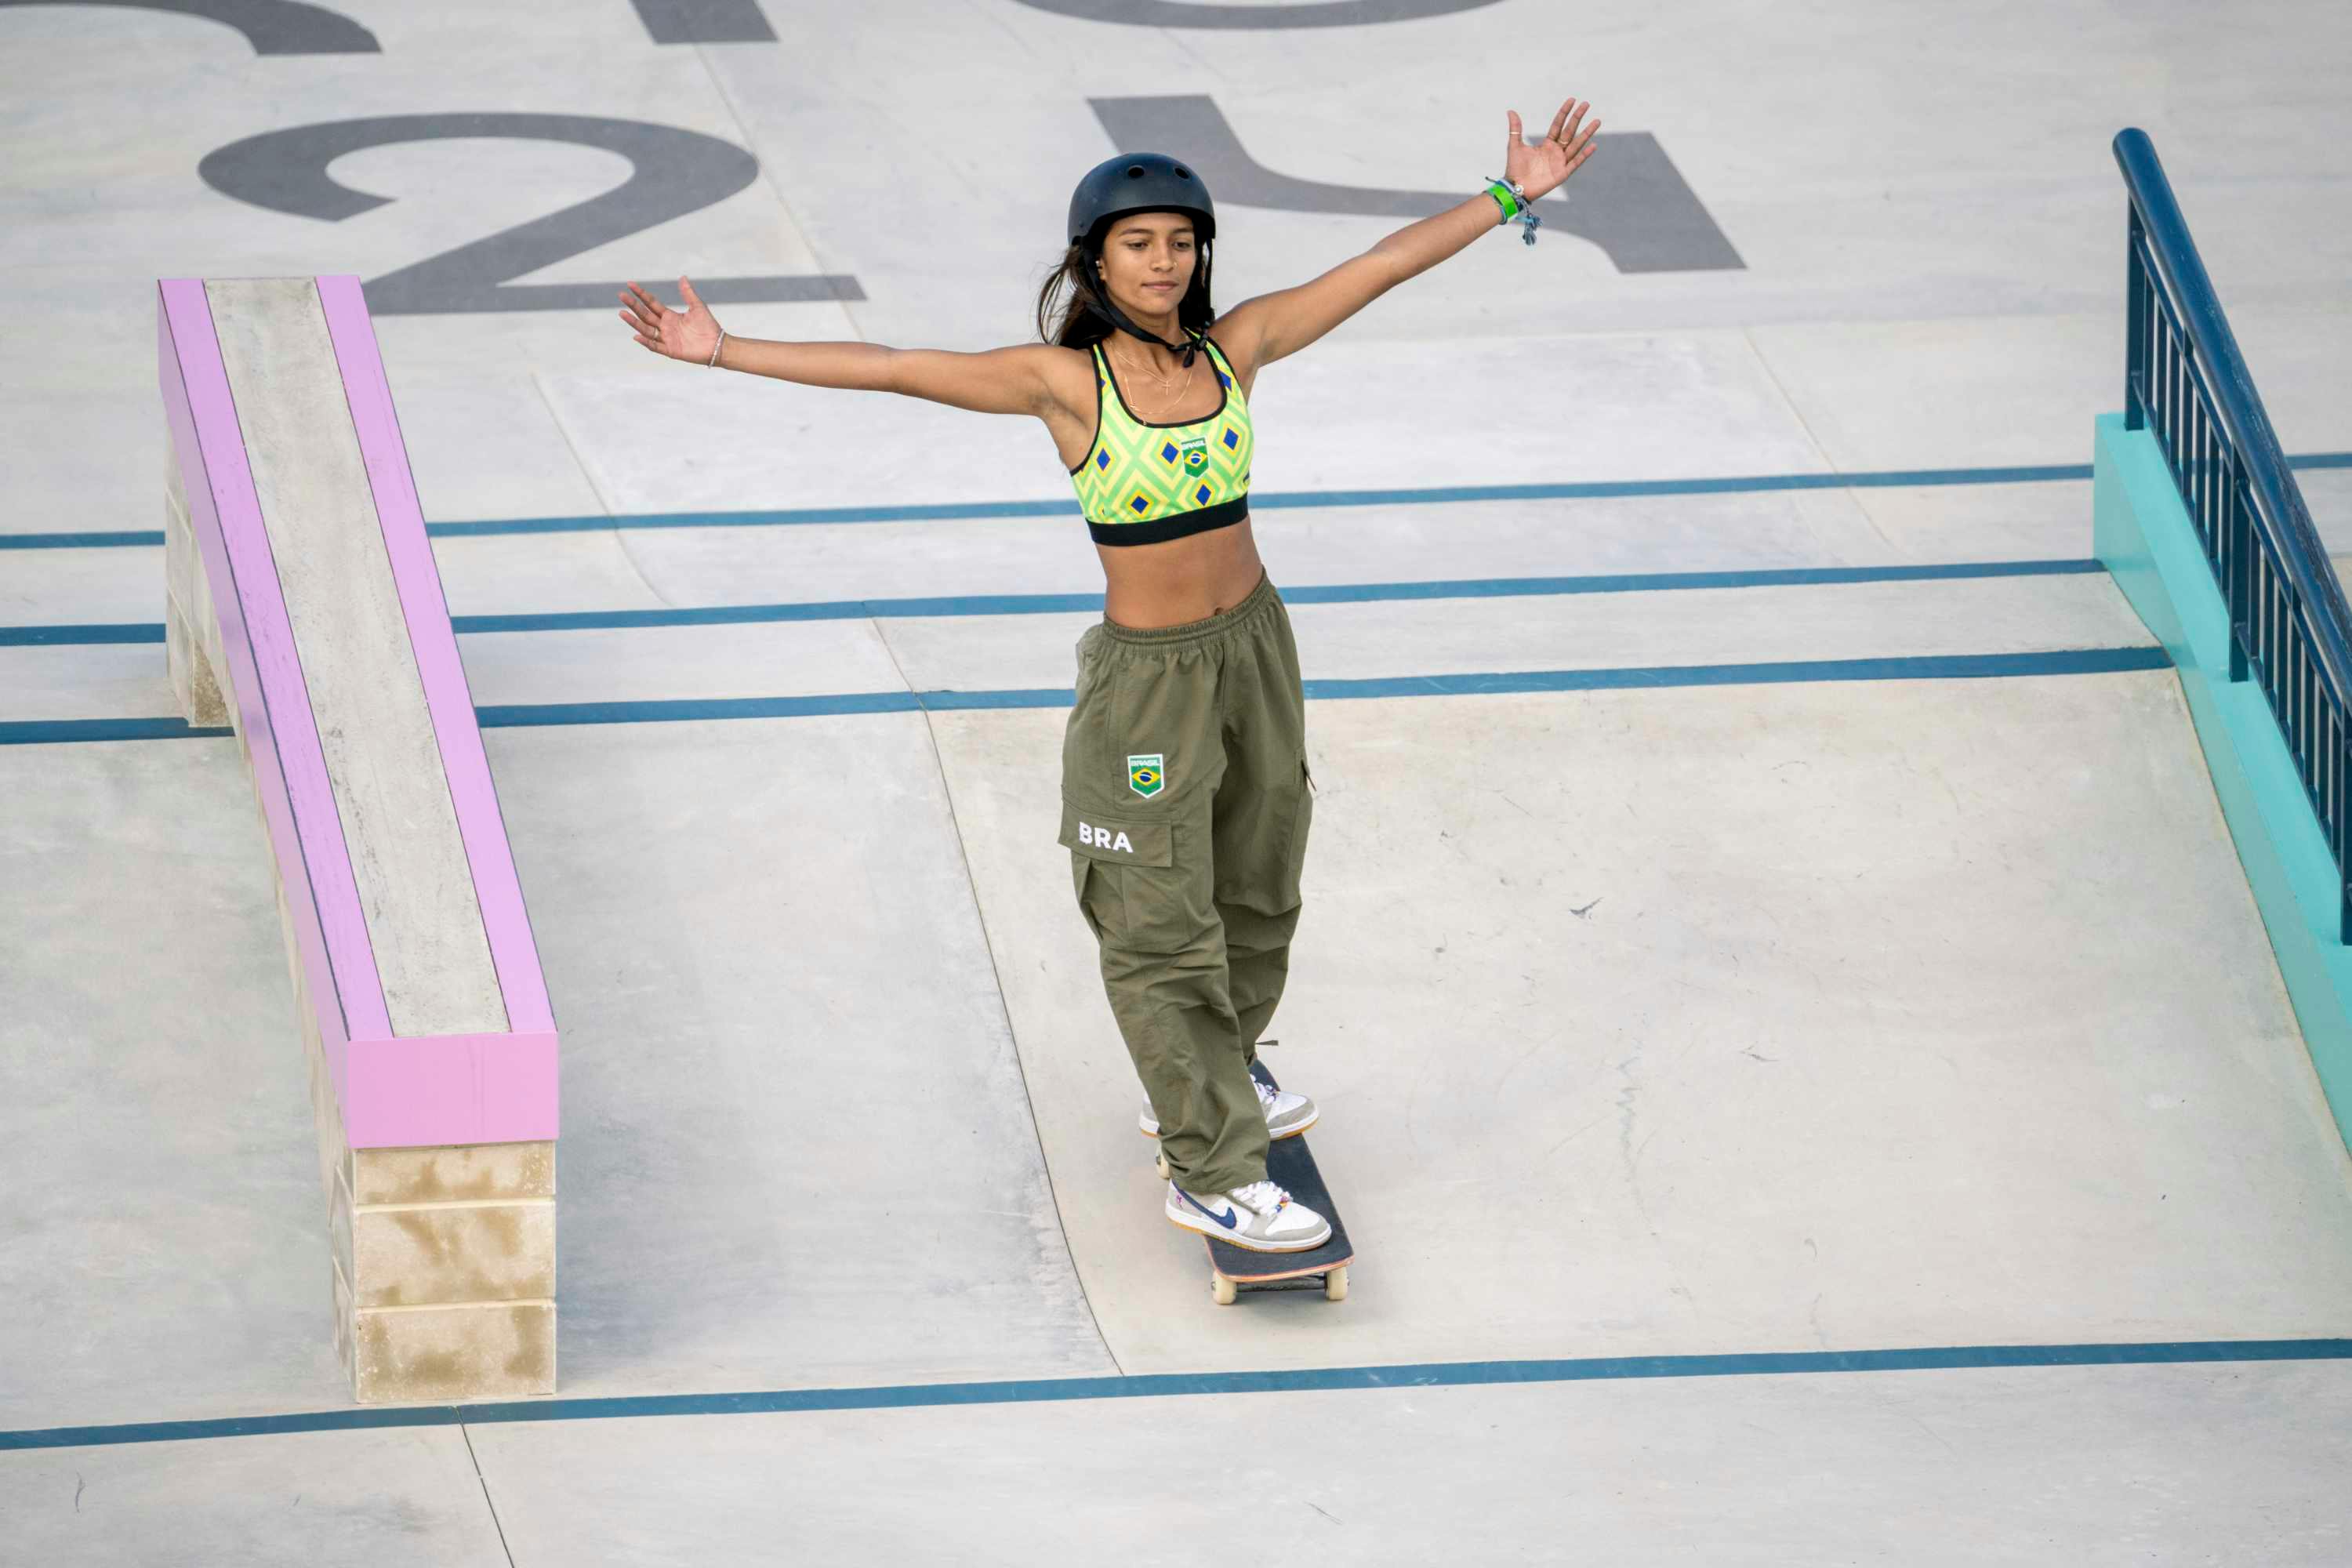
[
  {"x": 1283, "y": 323},
  {"x": 1000, "y": 381}
]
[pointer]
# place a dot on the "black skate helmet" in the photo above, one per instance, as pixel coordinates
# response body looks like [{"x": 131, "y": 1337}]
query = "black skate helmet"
[
  {"x": 1136, "y": 183},
  {"x": 1145, "y": 181}
]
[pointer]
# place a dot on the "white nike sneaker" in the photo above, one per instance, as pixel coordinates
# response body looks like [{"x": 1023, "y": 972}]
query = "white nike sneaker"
[
  {"x": 1260, "y": 1217},
  {"x": 1286, "y": 1114}
]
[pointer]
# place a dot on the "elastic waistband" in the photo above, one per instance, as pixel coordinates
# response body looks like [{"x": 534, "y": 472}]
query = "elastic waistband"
[{"x": 1261, "y": 599}]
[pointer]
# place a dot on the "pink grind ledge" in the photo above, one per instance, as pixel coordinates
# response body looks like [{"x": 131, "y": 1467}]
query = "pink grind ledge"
[{"x": 393, "y": 1091}]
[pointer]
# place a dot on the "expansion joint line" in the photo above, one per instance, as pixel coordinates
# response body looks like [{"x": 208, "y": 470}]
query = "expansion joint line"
[
  {"x": 496, "y": 1523},
  {"x": 1004, "y": 1006}
]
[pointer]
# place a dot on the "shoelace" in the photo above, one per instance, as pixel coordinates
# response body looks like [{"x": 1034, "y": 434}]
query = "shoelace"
[
  {"x": 1264, "y": 1198},
  {"x": 1264, "y": 1095}
]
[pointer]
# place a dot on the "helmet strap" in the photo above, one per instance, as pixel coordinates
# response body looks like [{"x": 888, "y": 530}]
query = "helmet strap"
[{"x": 1100, "y": 305}]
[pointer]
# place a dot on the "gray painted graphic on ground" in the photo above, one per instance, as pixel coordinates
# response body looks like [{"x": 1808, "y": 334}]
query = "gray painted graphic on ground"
[
  {"x": 271, "y": 26},
  {"x": 1628, "y": 200},
  {"x": 1317, "y": 14},
  {"x": 673, "y": 173},
  {"x": 705, "y": 21}
]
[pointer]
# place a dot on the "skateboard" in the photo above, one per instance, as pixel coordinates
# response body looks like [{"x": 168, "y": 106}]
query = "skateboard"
[{"x": 1234, "y": 1270}]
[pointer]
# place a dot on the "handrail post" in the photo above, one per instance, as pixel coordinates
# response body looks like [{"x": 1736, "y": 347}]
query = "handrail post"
[
  {"x": 2239, "y": 589},
  {"x": 2135, "y": 322}
]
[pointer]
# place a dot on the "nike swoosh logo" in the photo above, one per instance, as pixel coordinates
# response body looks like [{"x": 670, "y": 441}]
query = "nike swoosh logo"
[{"x": 1227, "y": 1220}]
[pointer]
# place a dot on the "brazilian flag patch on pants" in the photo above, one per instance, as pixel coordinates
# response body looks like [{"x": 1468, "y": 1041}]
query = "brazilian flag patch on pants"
[{"x": 1145, "y": 776}]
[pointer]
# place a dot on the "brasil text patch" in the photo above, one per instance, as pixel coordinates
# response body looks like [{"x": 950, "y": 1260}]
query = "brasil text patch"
[{"x": 1145, "y": 776}]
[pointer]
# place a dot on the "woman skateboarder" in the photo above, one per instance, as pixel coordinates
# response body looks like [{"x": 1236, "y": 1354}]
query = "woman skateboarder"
[{"x": 1185, "y": 794}]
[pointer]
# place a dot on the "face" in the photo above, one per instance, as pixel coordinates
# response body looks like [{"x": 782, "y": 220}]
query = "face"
[{"x": 1147, "y": 263}]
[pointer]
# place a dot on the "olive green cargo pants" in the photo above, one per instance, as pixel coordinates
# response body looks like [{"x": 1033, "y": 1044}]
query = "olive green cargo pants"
[{"x": 1185, "y": 805}]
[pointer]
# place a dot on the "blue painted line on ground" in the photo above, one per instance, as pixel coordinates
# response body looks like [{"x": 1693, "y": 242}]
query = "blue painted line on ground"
[
  {"x": 536, "y": 715},
  {"x": 81, "y": 634},
  {"x": 1164, "y": 1386},
  {"x": 952, "y": 605},
  {"x": 62, "y": 731},
  {"x": 104, "y": 539},
  {"x": 1597, "y": 489},
  {"x": 1933, "y": 666}
]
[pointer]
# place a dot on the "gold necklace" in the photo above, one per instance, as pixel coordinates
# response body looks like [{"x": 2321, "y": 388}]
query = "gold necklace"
[{"x": 1183, "y": 386}]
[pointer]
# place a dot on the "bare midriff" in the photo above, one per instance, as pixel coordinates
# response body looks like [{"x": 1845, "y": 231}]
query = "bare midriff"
[{"x": 1147, "y": 586}]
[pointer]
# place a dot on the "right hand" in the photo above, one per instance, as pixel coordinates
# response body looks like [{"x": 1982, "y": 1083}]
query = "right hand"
[{"x": 687, "y": 334}]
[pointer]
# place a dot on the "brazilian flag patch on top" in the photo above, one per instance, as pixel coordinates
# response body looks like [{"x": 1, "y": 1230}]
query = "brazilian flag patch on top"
[{"x": 1145, "y": 776}]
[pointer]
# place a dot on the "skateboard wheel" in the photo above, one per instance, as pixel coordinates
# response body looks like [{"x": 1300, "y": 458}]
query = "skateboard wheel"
[
  {"x": 1160, "y": 1163},
  {"x": 1335, "y": 1284},
  {"x": 1221, "y": 1290}
]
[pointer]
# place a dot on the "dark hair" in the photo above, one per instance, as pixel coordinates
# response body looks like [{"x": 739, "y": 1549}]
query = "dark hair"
[{"x": 1071, "y": 307}]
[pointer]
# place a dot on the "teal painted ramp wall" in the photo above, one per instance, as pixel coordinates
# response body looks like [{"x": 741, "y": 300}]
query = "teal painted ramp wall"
[{"x": 2141, "y": 532}]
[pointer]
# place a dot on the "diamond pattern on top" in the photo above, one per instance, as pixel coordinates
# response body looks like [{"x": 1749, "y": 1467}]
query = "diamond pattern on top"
[{"x": 1138, "y": 472}]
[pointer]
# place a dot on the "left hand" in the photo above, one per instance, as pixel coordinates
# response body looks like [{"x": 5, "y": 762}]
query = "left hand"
[{"x": 1548, "y": 164}]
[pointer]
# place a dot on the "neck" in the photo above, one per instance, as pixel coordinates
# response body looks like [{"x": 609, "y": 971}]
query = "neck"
[
  {"x": 1156, "y": 355},
  {"x": 1163, "y": 325},
  {"x": 1150, "y": 356}
]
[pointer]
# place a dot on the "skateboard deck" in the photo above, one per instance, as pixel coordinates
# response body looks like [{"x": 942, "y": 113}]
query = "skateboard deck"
[{"x": 1289, "y": 1163}]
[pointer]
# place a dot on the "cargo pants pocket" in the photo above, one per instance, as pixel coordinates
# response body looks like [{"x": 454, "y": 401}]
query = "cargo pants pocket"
[{"x": 1129, "y": 886}]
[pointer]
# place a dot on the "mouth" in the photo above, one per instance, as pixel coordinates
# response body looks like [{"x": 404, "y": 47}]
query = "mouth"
[{"x": 1160, "y": 288}]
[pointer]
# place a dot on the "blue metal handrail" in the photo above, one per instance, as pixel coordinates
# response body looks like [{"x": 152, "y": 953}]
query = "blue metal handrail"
[{"x": 2186, "y": 382}]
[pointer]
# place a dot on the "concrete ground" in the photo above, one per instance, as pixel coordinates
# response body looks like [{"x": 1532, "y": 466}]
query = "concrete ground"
[{"x": 1797, "y": 1054}]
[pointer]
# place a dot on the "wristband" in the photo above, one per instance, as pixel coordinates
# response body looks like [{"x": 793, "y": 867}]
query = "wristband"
[
  {"x": 1518, "y": 207},
  {"x": 712, "y": 363}
]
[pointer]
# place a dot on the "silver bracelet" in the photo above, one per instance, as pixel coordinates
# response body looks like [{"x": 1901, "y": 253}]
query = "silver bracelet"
[{"x": 712, "y": 363}]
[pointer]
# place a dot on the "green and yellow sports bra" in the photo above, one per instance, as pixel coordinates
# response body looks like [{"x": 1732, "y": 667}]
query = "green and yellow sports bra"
[{"x": 1142, "y": 483}]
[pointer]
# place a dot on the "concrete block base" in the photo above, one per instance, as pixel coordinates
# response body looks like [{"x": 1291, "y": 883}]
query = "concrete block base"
[
  {"x": 191, "y": 629},
  {"x": 408, "y": 1355}
]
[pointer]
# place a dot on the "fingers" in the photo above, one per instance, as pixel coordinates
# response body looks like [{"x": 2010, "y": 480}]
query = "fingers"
[
  {"x": 648, "y": 309},
  {"x": 693, "y": 300},
  {"x": 1517, "y": 140},
  {"x": 1573, "y": 135}
]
